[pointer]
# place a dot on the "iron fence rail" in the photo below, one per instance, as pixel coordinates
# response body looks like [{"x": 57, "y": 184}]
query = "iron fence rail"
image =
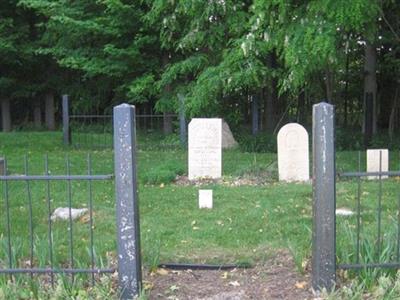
[
  {"x": 364, "y": 250},
  {"x": 56, "y": 271},
  {"x": 95, "y": 131},
  {"x": 54, "y": 177},
  {"x": 379, "y": 175},
  {"x": 394, "y": 265},
  {"x": 127, "y": 238},
  {"x": 32, "y": 268},
  {"x": 365, "y": 174}
]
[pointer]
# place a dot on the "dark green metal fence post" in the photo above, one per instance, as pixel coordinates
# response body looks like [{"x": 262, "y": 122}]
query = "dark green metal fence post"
[
  {"x": 324, "y": 198},
  {"x": 128, "y": 231},
  {"x": 65, "y": 119}
]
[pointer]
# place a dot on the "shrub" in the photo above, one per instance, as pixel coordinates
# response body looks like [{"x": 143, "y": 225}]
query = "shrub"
[{"x": 164, "y": 173}]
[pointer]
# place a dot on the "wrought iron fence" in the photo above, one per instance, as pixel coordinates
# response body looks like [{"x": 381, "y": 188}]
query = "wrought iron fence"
[
  {"x": 370, "y": 236},
  {"x": 49, "y": 248},
  {"x": 93, "y": 131},
  {"x": 371, "y": 250},
  {"x": 36, "y": 187}
]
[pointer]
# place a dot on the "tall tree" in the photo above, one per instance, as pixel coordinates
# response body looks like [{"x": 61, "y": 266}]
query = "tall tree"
[{"x": 104, "y": 41}]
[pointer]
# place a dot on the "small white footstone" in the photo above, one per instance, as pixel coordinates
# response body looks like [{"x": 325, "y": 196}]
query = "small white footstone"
[{"x": 205, "y": 199}]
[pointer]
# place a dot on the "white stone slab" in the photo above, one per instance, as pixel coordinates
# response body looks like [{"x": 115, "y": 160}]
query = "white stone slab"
[
  {"x": 373, "y": 160},
  {"x": 343, "y": 211},
  {"x": 205, "y": 199},
  {"x": 62, "y": 213},
  {"x": 205, "y": 148},
  {"x": 293, "y": 156}
]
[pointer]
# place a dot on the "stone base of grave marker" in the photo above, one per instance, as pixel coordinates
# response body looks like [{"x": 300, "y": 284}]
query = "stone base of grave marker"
[
  {"x": 374, "y": 157},
  {"x": 205, "y": 199}
]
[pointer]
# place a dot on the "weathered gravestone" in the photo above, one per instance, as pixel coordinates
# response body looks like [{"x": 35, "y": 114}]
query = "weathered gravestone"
[
  {"x": 375, "y": 157},
  {"x": 228, "y": 141},
  {"x": 293, "y": 157},
  {"x": 205, "y": 154}
]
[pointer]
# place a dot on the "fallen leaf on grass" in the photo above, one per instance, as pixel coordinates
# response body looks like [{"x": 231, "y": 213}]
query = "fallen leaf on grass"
[
  {"x": 224, "y": 275},
  {"x": 147, "y": 285},
  {"x": 162, "y": 271},
  {"x": 173, "y": 288},
  {"x": 301, "y": 285},
  {"x": 304, "y": 264},
  {"x": 234, "y": 283},
  {"x": 196, "y": 228},
  {"x": 85, "y": 219}
]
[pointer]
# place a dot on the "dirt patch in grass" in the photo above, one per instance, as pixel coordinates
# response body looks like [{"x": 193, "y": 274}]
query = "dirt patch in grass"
[
  {"x": 229, "y": 181},
  {"x": 226, "y": 181},
  {"x": 277, "y": 278}
]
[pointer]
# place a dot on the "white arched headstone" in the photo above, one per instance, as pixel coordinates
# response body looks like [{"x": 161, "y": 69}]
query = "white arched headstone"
[
  {"x": 293, "y": 156},
  {"x": 205, "y": 148}
]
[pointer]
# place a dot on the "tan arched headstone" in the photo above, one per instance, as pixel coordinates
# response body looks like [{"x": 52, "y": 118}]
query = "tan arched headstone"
[{"x": 293, "y": 153}]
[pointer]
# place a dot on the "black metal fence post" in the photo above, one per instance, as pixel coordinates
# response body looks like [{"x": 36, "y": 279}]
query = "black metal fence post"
[
  {"x": 324, "y": 198},
  {"x": 128, "y": 232},
  {"x": 65, "y": 118}
]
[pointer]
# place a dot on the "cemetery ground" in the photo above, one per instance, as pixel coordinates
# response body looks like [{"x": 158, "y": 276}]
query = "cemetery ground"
[{"x": 256, "y": 221}]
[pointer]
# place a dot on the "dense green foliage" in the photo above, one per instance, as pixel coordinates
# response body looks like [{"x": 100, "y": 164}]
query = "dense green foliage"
[{"x": 217, "y": 54}]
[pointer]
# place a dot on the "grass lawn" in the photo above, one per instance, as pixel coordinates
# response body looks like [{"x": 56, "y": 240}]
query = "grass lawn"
[{"x": 247, "y": 224}]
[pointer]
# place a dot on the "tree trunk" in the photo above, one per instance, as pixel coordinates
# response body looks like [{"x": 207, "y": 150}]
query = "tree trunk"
[
  {"x": 393, "y": 114},
  {"x": 370, "y": 87},
  {"x": 167, "y": 124},
  {"x": 254, "y": 114},
  {"x": 301, "y": 102},
  {"x": 5, "y": 115},
  {"x": 270, "y": 98},
  {"x": 329, "y": 85},
  {"x": 270, "y": 95},
  {"x": 167, "y": 119},
  {"x": 49, "y": 111},
  {"x": 37, "y": 114},
  {"x": 346, "y": 90}
]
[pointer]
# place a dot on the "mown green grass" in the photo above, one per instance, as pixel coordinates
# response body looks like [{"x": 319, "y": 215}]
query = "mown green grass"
[{"x": 246, "y": 225}]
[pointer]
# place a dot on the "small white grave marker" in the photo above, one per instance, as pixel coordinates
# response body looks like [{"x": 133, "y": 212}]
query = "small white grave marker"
[
  {"x": 373, "y": 161},
  {"x": 205, "y": 198}
]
